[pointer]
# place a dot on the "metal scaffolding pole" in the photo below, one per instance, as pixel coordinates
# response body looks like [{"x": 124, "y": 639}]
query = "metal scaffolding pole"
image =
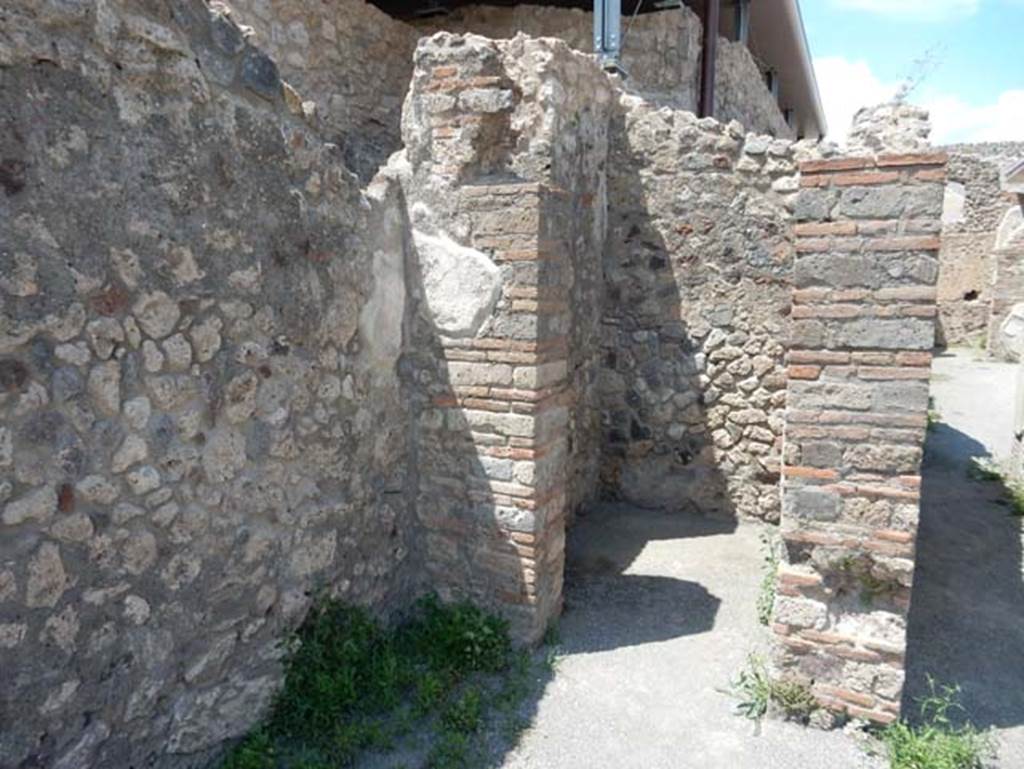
[
  {"x": 712, "y": 10},
  {"x": 608, "y": 33}
]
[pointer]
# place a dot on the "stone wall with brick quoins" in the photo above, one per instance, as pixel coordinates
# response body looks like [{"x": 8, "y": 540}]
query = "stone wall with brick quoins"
[
  {"x": 862, "y": 331},
  {"x": 505, "y": 143},
  {"x": 493, "y": 448}
]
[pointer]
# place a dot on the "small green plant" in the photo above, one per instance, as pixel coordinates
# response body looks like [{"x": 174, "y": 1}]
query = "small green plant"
[
  {"x": 766, "y": 592},
  {"x": 353, "y": 685},
  {"x": 872, "y": 586},
  {"x": 984, "y": 469},
  {"x": 936, "y": 742},
  {"x": 755, "y": 690},
  {"x": 463, "y": 714},
  {"x": 1015, "y": 498},
  {"x": 254, "y": 752},
  {"x": 934, "y": 417}
]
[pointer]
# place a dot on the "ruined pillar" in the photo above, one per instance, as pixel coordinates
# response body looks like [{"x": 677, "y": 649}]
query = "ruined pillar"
[
  {"x": 505, "y": 233},
  {"x": 862, "y": 332},
  {"x": 493, "y": 496}
]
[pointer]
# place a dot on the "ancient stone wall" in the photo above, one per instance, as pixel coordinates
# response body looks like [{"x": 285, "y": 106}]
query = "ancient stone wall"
[
  {"x": 351, "y": 60},
  {"x": 200, "y": 420},
  {"x": 697, "y": 268},
  {"x": 860, "y": 349},
  {"x": 1006, "y": 315},
  {"x": 505, "y": 144},
  {"x": 661, "y": 54},
  {"x": 968, "y": 279}
]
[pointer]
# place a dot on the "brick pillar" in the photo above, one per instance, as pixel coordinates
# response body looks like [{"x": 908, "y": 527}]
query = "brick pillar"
[
  {"x": 493, "y": 499},
  {"x": 862, "y": 332}
]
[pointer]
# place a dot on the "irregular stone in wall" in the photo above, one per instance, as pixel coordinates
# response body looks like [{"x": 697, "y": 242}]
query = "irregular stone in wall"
[
  {"x": 891, "y": 127},
  {"x": 1011, "y": 229},
  {"x": 1011, "y": 333},
  {"x": 461, "y": 285}
]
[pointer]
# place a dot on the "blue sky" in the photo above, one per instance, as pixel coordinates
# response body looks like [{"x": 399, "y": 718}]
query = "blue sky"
[{"x": 974, "y": 86}]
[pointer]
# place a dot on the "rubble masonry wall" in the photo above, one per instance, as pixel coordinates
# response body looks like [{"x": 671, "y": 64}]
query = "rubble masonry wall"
[
  {"x": 859, "y": 362},
  {"x": 201, "y": 424}
]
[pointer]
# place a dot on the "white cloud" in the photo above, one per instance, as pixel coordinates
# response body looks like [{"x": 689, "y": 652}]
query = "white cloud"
[
  {"x": 915, "y": 10},
  {"x": 846, "y": 86},
  {"x": 953, "y": 120}
]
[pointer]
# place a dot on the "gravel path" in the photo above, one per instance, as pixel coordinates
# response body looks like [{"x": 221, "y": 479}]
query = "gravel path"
[
  {"x": 660, "y": 615},
  {"x": 967, "y": 611}
]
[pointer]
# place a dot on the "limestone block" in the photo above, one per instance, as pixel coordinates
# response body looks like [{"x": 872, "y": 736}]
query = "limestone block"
[
  {"x": 1011, "y": 333},
  {"x": 1011, "y": 229},
  {"x": 953, "y": 204},
  {"x": 461, "y": 285}
]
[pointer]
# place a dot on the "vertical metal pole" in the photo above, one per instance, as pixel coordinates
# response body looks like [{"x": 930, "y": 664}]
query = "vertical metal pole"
[
  {"x": 608, "y": 32},
  {"x": 743, "y": 21},
  {"x": 712, "y": 11}
]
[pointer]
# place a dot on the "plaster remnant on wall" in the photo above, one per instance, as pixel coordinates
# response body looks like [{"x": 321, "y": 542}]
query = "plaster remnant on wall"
[
  {"x": 460, "y": 285},
  {"x": 1011, "y": 333}
]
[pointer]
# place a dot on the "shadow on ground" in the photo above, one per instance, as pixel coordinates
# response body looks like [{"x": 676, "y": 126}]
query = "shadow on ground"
[
  {"x": 966, "y": 622},
  {"x": 634, "y": 608}
]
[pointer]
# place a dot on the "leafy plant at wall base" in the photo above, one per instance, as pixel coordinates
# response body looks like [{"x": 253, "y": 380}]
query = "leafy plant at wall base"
[
  {"x": 1015, "y": 495},
  {"x": 934, "y": 417},
  {"x": 766, "y": 593},
  {"x": 254, "y": 752},
  {"x": 936, "y": 743},
  {"x": 756, "y": 690},
  {"x": 352, "y": 685},
  {"x": 984, "y": 469}
]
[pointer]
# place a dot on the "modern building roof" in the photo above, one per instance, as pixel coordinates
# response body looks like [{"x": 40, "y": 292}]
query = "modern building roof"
[{"x": 778, "y": 40}]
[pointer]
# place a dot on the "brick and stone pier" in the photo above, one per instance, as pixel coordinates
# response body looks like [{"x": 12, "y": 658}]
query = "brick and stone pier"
[{"x": 862, "y": 331}]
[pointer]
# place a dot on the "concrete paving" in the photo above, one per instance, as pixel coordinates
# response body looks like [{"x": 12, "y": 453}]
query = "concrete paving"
[
  {"x": 660, "y": 615},
  {"x": 967, "y": 610}
]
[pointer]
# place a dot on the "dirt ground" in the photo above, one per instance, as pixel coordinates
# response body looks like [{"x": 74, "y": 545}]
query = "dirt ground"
[{"x": 660, "y": 616}]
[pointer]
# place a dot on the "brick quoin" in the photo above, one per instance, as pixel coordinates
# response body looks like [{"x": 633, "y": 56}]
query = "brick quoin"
[{"x": 857, "y": 400}]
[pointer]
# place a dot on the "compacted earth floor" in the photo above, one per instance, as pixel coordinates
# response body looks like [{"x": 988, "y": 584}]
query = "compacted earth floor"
[
  {"x": 967, "y": 610},
  {"x": 661, "y": 615}
]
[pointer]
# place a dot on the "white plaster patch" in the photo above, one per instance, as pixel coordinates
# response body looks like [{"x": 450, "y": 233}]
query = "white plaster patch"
[
  {"x": 461, "y": 285},
  {"x": 1011, "y": 229},
  {"x": 1011, "y": 333},
  {"x": 953, "y": 203}
]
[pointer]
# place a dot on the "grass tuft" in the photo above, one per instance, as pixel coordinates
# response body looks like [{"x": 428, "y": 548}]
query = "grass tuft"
[
  {"x": 934, "y": 417},
  {"x": 757, "y": 690},
  {"x": 352, "y": 685},
  {"x": 936, "y": 743},
  {"x": 984, "y": 469}
]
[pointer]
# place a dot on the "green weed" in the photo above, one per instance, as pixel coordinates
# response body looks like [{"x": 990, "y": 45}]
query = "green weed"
[
  {"x": 984, "y": 469},
  {"x": 756, "y": 690},
  {"x": 353, "y": 685},
  {"x": 934, "y": 417},
  {"x": 1015, "y": 498},
  {"x": 936, "y": 743}
]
